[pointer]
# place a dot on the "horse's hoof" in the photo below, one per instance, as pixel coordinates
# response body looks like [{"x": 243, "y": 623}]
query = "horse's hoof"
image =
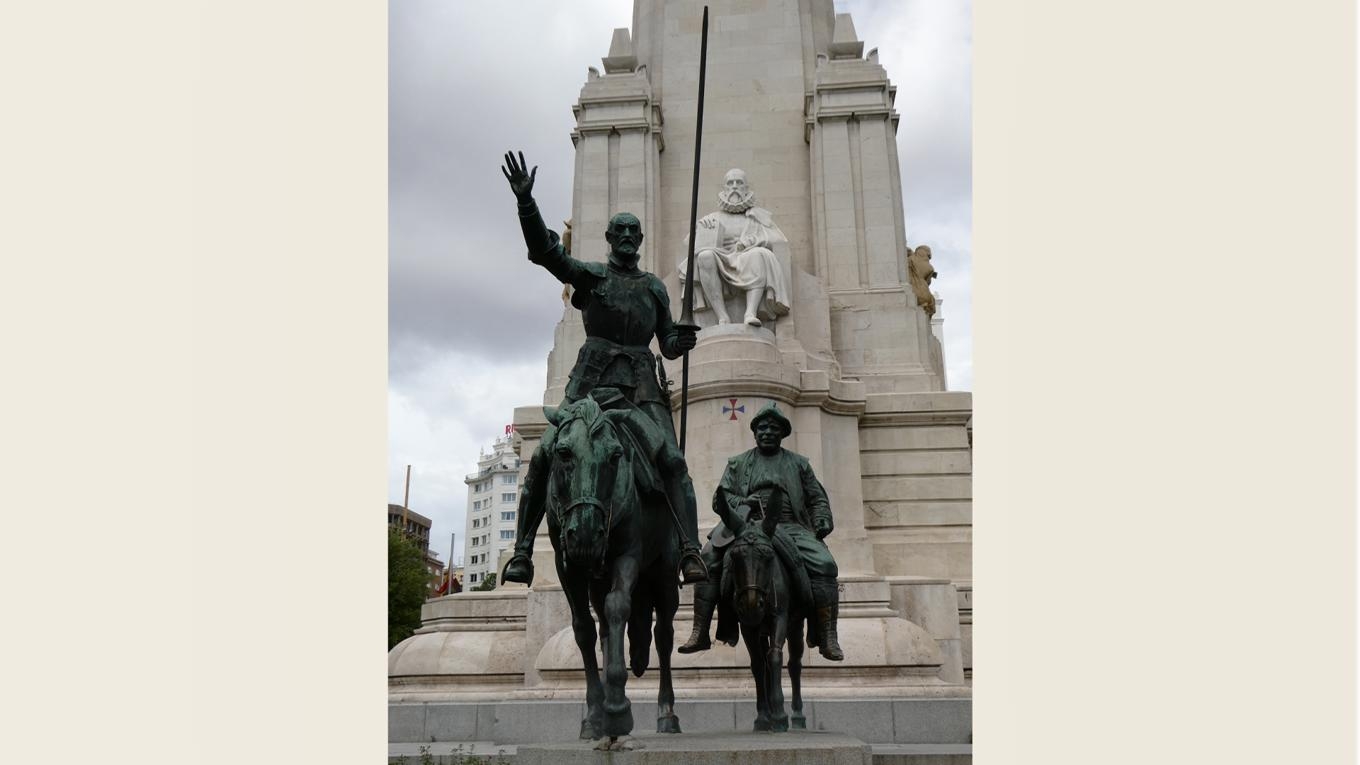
[
  {"x": 668, "y": 724},
  {"x": 619, "y": 723},
  {"x": 589, "y": 731},
  {"x": 798, "y": 722},
  {"x": 779, "y": 725},
  {"x": 762, "y": 725}
]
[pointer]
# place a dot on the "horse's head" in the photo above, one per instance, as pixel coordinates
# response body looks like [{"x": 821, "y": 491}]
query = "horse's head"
[
  {"x": 586, "y": 454},
  {"x": 748, "y": 576}
]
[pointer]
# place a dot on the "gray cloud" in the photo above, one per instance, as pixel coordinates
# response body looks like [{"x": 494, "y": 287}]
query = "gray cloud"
[{"x": 470, "y": 320}]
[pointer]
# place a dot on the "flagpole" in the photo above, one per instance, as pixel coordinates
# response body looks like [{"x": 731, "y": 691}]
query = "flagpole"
[{"x": 406, "y": 499}]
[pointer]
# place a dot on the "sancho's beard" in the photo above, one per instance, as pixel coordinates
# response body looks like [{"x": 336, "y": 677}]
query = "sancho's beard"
[{"x": 735, "y": 201}]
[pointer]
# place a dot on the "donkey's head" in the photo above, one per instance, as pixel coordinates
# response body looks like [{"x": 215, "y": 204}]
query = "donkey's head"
[
  {"x": 586, "y": 453},
  {"x": 748, "y": 576}
]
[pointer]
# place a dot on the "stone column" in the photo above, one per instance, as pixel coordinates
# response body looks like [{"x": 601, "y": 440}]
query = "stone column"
[{"x": 878, "y": 332}]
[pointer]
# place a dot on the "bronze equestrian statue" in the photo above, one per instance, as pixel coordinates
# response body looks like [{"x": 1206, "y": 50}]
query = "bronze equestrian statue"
[
  {"x": 804, "y": 520},
  {"x": 622, "y": 308},
  {"x": 608, "y": 472},
  {"x": 768, "y": 591}
]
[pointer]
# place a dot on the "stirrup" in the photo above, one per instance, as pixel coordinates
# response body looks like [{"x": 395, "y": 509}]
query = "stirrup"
[
  {"x": 688, "y": 574},
  {"x": 520, "y": 568}
]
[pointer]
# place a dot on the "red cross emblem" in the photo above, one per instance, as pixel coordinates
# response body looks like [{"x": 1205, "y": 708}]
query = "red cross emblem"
[{"x": 733, "y": 409}]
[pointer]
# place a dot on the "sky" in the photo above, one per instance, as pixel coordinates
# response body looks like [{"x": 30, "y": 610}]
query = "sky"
[{"x": 470, "y": 321}]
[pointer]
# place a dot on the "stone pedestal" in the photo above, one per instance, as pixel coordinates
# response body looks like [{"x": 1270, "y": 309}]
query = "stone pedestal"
[{"x": 789, "y": 748}]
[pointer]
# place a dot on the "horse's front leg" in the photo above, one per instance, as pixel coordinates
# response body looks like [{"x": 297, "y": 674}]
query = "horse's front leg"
[
  {"x": 583, "y": 629},
  {"x": 778, "y": 625},
  {"x": 796, "y": 721},
  {"x": 667, "y": 601},
  {"x": 754, "y": 639},
  {"x": 618, "y": 714}
]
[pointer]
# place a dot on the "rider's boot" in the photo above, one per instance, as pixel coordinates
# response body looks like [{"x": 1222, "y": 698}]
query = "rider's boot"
[
  {"x": 705, "y": 600},
  {"x": 827, "y": 597},
  {"x": 680, "y": 494},
  {"x": 520, "y": 568}
]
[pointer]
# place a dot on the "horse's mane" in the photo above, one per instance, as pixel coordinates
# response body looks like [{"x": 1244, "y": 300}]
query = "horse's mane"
[{"x": 587, "y": 410}]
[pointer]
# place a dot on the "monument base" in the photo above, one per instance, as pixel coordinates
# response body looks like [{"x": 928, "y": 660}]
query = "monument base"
[
  {"x": 936, "y": 721},
  {"x": 709, "y": 749}
]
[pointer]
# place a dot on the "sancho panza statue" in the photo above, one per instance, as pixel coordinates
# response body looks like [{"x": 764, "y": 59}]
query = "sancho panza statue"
[
  {"x": 734, "y": 249},
  {"x": 804, "y": 518},
  {"x": 622, "y": 308}
]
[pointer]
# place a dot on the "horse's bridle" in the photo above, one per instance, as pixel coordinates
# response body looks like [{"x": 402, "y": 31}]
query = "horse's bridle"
[
  {"x": 774, "y": 561},
  {"x": 608, "y": 511}
]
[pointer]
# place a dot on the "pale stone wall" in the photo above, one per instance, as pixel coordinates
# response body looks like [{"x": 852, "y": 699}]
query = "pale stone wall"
[{"x": 917, "y": 466}]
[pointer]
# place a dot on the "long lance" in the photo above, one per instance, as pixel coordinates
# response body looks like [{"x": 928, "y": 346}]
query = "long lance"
[{"x": 687, "y": 311}]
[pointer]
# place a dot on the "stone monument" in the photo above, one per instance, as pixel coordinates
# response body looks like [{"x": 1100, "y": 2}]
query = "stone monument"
[{"x": 808, "y": 117}]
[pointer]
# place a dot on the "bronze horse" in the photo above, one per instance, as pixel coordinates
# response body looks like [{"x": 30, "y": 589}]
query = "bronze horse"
[
  {"x": 616, "y": 549},
  {"x": 759, "y": 583}
]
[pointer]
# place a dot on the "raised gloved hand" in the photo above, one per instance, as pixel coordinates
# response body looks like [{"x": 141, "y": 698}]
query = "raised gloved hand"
[{"x": 520, "y": 177}]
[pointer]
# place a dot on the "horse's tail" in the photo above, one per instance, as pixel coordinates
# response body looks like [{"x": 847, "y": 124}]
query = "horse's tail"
[{"x": 640, "y": 630}]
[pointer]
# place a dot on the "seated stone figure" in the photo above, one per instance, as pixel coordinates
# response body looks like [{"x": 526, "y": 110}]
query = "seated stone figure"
[
  {"x": 738, "y": 248},
  {"x": 804, "y": 518}
]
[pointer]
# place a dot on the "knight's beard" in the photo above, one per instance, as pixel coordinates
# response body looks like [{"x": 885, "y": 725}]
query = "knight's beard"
[
  {"x": 736, "y": 201},
  {"x": 626, "y": 261}
]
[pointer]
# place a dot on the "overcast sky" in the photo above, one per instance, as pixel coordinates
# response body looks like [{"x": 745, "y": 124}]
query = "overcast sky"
[{"x": 470, "y": 320}]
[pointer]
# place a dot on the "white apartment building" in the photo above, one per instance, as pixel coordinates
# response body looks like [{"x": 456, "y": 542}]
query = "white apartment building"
[{"x": 493, "y": 498}]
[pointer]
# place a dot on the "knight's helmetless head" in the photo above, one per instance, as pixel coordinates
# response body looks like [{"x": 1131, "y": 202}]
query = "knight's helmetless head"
[{"x": 624, "y": 235}]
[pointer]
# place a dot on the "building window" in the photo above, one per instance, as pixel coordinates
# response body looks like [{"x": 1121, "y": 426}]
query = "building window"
[
  {"x": 510, "y": 478},
  {"x": 472, "y": 577},
  {"x": 508, "y": 534},
  {"x": 508, "y": 515},
  {"x": 508, "y": 497}
]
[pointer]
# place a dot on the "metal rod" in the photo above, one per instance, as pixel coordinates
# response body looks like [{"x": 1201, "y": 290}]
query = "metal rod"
[
  {"x": 406, "y": 500},
  {"x": 687, "y": 310}
]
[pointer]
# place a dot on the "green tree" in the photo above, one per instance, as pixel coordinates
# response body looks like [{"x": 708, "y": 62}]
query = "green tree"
[
  {"x": 407, "y": 578},
  {"x": 487, "y": 584}
]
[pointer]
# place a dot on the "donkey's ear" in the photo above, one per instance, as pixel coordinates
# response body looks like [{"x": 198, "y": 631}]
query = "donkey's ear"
[
  {"x": 772, "y": 510},
  {"x": 551, "y": 412}
]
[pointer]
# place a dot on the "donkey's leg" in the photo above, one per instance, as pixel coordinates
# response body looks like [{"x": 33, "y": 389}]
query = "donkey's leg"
[
  {"x": 778, "y": 627},
  {"x": 755, "y": 648},
  {"x": 667, "y": 599},
  {"x": 796, "y": 721},
  {"x": 618, "y": 713},
  {"x": 583, "y": 629}
]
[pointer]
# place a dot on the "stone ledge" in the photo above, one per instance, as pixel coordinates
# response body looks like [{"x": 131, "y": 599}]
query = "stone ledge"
[
  {"x": 924, "y": 721},
  {"x": 708, "y": 749},
  {"x": 505, "y": 754}
]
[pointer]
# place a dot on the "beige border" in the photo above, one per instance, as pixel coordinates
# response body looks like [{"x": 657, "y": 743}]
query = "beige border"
[
  {"x": 1165, "y": 343},
  {"x": 1164, "y": 291}
]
